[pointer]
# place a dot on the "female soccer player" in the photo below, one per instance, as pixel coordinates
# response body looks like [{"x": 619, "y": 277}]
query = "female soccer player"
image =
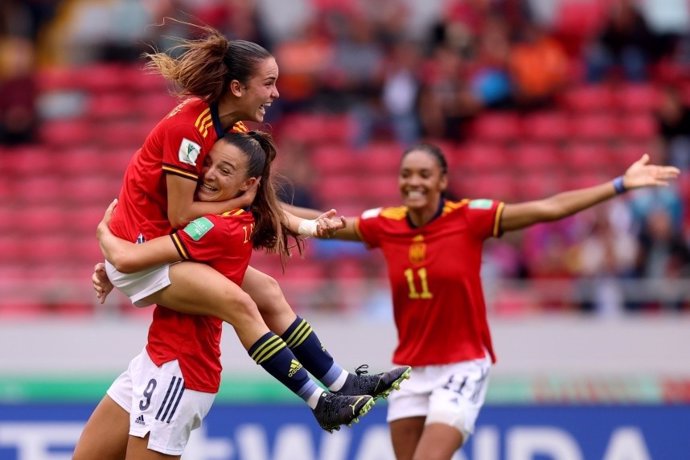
[
  {"x": 225, "y": 82},
  {"x": 169, "y": 387},
  {"x": 432, "y": 247}
]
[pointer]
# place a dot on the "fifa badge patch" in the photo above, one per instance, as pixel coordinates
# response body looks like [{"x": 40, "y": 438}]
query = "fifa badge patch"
[
  {"x": 197, "y": 228},
  {"x": 189, "y": 152},
  {"x": 481, "y": 204}
]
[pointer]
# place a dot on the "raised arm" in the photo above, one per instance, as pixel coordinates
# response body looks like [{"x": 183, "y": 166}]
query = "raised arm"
[
  {"x": 639, "y": 174},
  {"x": 128, "y": 257}
]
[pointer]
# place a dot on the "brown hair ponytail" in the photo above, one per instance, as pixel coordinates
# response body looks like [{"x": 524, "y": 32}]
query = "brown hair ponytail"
[
  {"x": 207, "y": 65},
  {"x": 270, "y": 231}
]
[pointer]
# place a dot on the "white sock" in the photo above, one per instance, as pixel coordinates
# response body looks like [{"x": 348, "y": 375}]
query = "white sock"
[
  {"x": 313, "y": 400},
  {"x": 339, "y": 382}
]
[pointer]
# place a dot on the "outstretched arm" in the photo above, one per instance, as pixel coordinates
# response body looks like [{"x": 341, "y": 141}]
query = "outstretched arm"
[
  {"x": 639, "y": 174},
  {"x": 310, "y": 222},
  {"x": 128, "y": 257}
]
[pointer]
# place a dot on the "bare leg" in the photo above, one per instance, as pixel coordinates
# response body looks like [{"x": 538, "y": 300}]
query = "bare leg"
[
  {"x": 105, "y": 433},
  {"x": 438, "y": 442},
  {"x": 137, "y": 450},
  {"x": 269, "y": 298},
  {"x": 405, "y": 435},
  {"x": 198, "y": 289}
]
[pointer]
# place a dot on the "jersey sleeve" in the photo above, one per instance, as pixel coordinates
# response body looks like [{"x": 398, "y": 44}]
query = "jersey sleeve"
[
  {"x": 204, "y": 239},
  {"x": 182, "y": 150},
  {"x": 368, "y": 226},
  {"x": 484, "y": 217}
]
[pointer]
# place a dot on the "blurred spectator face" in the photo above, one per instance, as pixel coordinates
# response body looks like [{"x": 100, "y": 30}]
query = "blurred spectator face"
[
  {"x": 16, "y": 57},
  {"x": 660, "y": 225}
]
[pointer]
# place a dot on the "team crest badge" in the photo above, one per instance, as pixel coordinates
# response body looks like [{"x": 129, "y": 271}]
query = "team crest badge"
[
  {"x": 189, "y": 152},
  {"x": 417, "y": 252}
]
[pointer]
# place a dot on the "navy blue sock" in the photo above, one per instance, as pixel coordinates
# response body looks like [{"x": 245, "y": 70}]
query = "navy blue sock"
[
  {"x": 271, "y": 353},
  {"x": 307, "y": 347}
]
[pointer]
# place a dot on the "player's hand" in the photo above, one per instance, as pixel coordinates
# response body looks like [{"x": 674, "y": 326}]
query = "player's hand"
[
  {"x": 247, "y": 198},
  {"x": 108, "y": 213},
  {"x": 101, "y": 283},
  {"x": 327, "y": 224},
  {"x": 643, "y": 174}
]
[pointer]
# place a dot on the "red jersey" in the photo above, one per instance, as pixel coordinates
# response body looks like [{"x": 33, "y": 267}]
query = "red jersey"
[
  {"x": 224, "y": 243},
  {"x": 177, "y": 145},
  {"x": 433, "y": 270}
]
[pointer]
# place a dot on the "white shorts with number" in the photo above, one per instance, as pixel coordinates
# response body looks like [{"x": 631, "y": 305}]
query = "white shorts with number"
[
  {"x": 139, "y": 285},
  {"x": 451, "y": 394},
  {"x": 159, "y": 404}
]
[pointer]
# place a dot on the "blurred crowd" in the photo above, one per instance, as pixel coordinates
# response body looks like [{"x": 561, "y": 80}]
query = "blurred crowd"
[{"x": 405, "y": 71}]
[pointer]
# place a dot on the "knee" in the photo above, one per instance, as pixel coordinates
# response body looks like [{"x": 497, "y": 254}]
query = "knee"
[
  {"x": 272, "y": 298},
  {"x": 243, "y": 306}
]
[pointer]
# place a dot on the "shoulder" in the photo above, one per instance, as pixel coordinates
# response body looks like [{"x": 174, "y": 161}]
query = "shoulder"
[
  {"x": 393, "y": 213},
  {"x": 193, "y": 116}
]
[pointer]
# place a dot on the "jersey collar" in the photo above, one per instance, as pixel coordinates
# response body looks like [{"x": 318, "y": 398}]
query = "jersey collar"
[
  {"x": 216, "y": 120},
  {"x": 439, "y": 211}
]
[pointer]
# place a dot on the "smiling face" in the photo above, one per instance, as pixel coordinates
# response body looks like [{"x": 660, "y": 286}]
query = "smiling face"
[
  {"x": 258, "y": 93},
  {"x": 421, "y": 181},
  {"x": 224, "y": 173}
]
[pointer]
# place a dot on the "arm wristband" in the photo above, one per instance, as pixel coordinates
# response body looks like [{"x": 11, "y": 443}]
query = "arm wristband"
[
  {"x": 618, "y": 185},
  {"x": 307, "y": 228}
]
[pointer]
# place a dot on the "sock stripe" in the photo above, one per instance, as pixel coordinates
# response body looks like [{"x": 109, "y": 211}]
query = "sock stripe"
[
  {"x": 267, "y": 349},
  {"x": 299, "y": 335}
]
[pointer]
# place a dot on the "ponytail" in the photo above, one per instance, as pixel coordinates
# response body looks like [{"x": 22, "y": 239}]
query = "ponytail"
[
  {"x": 206, "y": 66},
  {"x": 270, "y": 230}
]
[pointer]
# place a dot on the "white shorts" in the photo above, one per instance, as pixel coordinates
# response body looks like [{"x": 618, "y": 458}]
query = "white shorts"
[
  {"x": 159, "y": 404},
  {"x": 451, "y": 394},
  {"x": 139, "y": 285}
]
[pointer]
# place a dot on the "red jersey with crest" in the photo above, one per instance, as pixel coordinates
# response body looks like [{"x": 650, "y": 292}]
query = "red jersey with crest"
[
  {"x": 177, "y": 145},
  {"x": 224, "y": 243},
  {"x": 434, "y": 273}
]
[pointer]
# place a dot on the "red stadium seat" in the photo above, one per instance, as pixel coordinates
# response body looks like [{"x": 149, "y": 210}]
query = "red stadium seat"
[
  {"x": 144, "y": 82},
  {"x": 115, "y": 161},
  {"x": 103, "y": 78},
  {"x": 335, "y": 159},
  {"x": 51, "y": 79},
  {"x": 498, "y": 186},
  {"x": 153, "y": 107},
  {"x": 112, "y": 106},
  {"x": 124, "y": 134},
  {"x": 46, "y": 248},
  {"x": 589, "y": 98},
  {"x": 480, "y": 157},
  {"x": 81, "y": 161},
  {"x": 65, "y": 134},
  {"x": 13, "y": 249},
  {"x": 91, "y": 190},
  {"x": 640, "y": 126},
  {"x": 81, "y": 221},
  {"x": 631, "y": 97},
  {"x": 496, "y": 127},
  {"x": 39, "y": 190},
  {"x": 49, "y": 219},
  {"x": 585, "y": 157},
  {"x": 576, "y": 21},
  {"x": 531, "y": 156},
  {"x": 380, "y": 158},
  {"x": 535, "y": 185},
  {"x": 29, "y": 160},
  {"x": 549, "y": 126},
  {"x": 596, "y": 127}
]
